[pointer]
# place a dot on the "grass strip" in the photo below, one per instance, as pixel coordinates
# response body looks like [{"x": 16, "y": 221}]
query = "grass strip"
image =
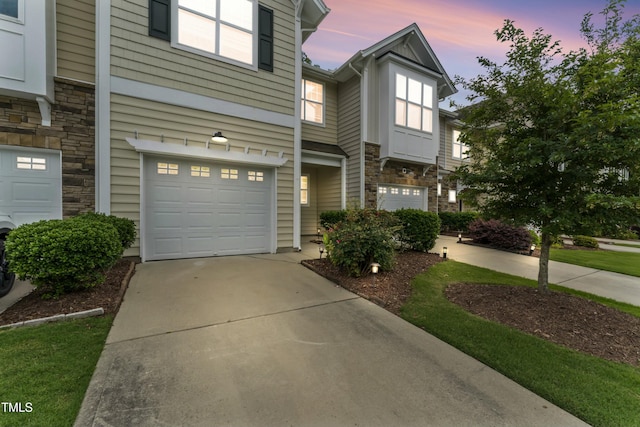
[
  {"x": 49, "y": 367},
  {"x": 618, "y": 262},
  {"x": 600, "y": 392}
]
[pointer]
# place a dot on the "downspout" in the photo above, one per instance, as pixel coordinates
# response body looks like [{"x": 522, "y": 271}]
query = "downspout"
[
  {"x": 102, "y": 111},
  {"x": 297, "y": 128}
]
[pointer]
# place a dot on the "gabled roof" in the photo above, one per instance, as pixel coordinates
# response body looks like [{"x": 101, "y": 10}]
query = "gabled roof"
[
  {"x": 413, "y": 38},
  {"x": 312, "y": 13}
]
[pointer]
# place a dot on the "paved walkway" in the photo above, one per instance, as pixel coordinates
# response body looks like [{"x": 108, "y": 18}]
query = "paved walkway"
[{"x": 619, "y": 287}]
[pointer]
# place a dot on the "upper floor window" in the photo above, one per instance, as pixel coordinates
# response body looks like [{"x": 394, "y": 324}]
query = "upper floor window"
[
  {"x": 459, "y": 150},
  {"x": 414, "y": 104},
  {"x": 312, "y": 101},
  {"x": 219, "y": 27}
]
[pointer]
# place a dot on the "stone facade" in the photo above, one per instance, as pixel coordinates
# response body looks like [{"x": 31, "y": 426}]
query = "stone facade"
[
  {"x": 395, "y": 172},
  {"x": 72, "y": 131}
]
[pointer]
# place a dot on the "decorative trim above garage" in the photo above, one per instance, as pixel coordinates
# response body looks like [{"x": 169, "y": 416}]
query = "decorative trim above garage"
[{"x": 214, "y": 152}]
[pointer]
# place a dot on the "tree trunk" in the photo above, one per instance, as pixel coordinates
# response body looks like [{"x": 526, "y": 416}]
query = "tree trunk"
[{"x": 543, "y": 270}]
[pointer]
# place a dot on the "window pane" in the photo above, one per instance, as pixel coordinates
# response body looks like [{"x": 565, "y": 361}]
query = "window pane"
[
  {"x": 415, "y": 91},
  {"x": 237, "y": 12},
  {"x": 236, "y": 44},
  {"x": 427, "y": 120},
  {"x": 401, "y": 86},
  {"x": 207, "y": 7},
  {"x": 452, "y": 196},
  {"x": 414, "y": 118},
  {"x": 401, "y": 113},
  {"x": 456, "y": 151},
  {"x": 427, "y": 100},
  {"x": 313, "y": 91},
  {"x": 197, "y": 31},
  {"x": 313, "y": 112},
  {"x": 9, "y": 8}
]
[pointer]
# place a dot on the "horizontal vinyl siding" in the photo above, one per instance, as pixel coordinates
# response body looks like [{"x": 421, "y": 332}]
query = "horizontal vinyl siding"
[
  {"x": 328, "y": 132},
  {"x": 154, "y": 121},
  {"x": 329, "y": 191},
  {"x": 309, "y": 214},
  {"x": 349, "y": 135},
  {"x": 136, "y": 56},
  {"x": 451, "y": 163},
  {"x": 75, "y": 33}
]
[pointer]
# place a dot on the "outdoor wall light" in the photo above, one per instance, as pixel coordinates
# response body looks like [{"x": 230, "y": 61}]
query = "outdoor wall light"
[
  {"x": 531, "y": 249},
  {"x": 321, "y": 249},
  {"x": 218, "y": 137},
  {"x": 459, "y": 237},
  {"x": 444, "y": 252},
  {"x": 318, "y": 234},
  {"x": 374, "y": 269}
]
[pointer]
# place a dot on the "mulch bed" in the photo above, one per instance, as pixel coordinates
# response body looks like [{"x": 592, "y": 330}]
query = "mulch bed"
[
  {"x": 108, "y": 295},
  {"x": 567, "y": 320}
]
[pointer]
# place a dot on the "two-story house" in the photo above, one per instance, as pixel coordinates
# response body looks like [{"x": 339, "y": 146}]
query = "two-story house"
[
  {"x": 199, "y": 121},
  {"x": 374, "y": 134}
]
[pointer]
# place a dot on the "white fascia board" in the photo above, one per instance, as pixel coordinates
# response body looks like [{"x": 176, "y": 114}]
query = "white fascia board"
[
  {"x": 165, "y": 95},
  {"x": 169, "y": 149}
]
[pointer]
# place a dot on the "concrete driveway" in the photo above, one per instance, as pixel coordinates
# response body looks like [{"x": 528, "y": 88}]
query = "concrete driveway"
[{"x": 262, "y": 341}]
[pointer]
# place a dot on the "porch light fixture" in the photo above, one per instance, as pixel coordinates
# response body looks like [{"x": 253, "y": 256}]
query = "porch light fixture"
[
  {"x": 318, "y": 234},
  {"x": 531, "y": 249},
  {"x": 459, "y": 237},
  {"x": 321, "y": 249},
  {"x": 374, "y": 269},
  {"x": 218, "y": 137},
  {"x": 444, "y": 252}
]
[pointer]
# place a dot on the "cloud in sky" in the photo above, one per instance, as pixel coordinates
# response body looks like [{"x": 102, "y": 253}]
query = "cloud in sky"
[{"x": 458, "y": 30}]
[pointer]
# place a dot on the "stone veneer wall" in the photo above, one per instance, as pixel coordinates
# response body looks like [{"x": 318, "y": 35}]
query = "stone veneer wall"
[
  {"x": 72, "y": 130},
  {"x": 393, "y": 174}
]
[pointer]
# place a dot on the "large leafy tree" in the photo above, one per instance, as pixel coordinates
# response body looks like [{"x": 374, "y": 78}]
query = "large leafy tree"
[{"x": 554, "y": 137}]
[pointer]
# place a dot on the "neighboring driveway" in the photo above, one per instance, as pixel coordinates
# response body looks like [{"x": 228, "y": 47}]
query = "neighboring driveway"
[{"x": 262, "y": 341}]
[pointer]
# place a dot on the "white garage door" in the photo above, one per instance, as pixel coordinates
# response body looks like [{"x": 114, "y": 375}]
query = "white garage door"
[
  {"x": 394, "y": 197},
  {"x": 30, "y": 184},
  {"x": 196, "y": 208}
]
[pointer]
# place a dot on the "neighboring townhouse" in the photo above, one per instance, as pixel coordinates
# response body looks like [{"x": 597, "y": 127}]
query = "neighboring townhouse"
[
  {"x": 199, "y": 121},
  {"x": 111, "y": 106},
  {"x": 374, "y": 135}
]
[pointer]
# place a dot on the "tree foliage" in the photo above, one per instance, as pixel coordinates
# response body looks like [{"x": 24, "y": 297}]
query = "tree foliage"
[{"x": 554, "y": 137}]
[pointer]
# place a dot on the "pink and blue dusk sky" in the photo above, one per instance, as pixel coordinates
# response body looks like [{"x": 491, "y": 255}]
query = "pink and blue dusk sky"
[{"x": 458, "y": 31}]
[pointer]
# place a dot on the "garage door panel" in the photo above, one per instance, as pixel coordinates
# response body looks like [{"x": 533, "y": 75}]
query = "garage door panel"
[
  {"x": 211, "y": 209},
  {"x": 393, "y": 197}
]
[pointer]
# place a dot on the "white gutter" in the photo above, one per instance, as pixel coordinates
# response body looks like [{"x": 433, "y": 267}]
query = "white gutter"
[{"x": 103, "y": 107}]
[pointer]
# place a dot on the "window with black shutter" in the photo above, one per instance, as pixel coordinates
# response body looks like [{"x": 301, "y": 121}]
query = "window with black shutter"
[
  {"x": 265, "y": 38},
  {"x": 160, "y": 19}
]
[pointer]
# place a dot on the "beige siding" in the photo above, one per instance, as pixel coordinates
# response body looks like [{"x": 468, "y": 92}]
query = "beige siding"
[
  {"x": 309, "y": 213},
  {"x": 328, "y": 132},
  {"x": 75, "y": 33},
  {"x": 451, "y": 163},
  {"x": 152, "y": 119},
  {"x": 349, "y": 135},
  {"x": 136, "y": 56},
  {"x": 325, "y": 195}
]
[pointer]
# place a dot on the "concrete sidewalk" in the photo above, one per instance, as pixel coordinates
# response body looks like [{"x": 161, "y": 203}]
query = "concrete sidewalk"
[
  {"x": 263, "y": 341},
  {"x": 619, "y": 287}
]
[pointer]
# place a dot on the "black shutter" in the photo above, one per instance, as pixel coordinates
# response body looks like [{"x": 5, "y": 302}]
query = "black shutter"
[
  {"x": 160, "y": 19},
  {"x": 265, "y": 38}
]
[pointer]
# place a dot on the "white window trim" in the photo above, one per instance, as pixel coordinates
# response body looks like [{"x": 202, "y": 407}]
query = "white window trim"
[
  {"x": 463, "y": 147},
  {"x": 323, "y": 104},
  {"x": 254, "y": 33},
  {"x": 412, "y": 76}
]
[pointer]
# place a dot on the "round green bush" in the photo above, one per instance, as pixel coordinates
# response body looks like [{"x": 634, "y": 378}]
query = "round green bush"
[
  {"x": 419, "y": 229},
  {"x": 126, "y": 228},
  {"x": 65, "y": 255},
  {"x": 585, "y": 242},
  {"x": 364, "y": 237},
  {"x": 330, "y": 218},
  {"x": 457, "y": 221}
]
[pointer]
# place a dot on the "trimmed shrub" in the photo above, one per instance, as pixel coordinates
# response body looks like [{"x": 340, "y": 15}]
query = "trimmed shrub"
[
  {"x": 126, "y": 228},
  {"x": 365, "y": 236},
  {"x": 419, "y": 229},
  {"x": 330, "y": 218},
  {"x": 457, "y": 221},
  {"x": 585, "y": 242},
  {"x": 500, "y": 235},
  {"x": 64, "y": 255}
]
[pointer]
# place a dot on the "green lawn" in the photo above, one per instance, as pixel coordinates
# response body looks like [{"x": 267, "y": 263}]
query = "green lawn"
[
  {"x": 49, "y": 366},
  {"x": 619, "y": 262},
  {"x": 600, "y": 392}
]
